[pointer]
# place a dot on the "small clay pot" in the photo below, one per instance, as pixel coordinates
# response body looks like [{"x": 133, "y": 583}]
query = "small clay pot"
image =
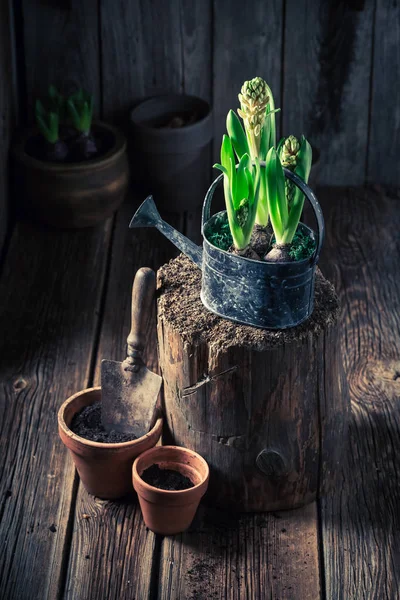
[
  {"x": 105, "y": 469},
  {"x": 71, "y": 195},
  {"x": 170, "y": 512}
]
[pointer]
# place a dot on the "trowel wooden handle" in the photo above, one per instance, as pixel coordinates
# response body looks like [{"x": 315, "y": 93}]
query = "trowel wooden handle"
[{"x": 143, "y": 290}]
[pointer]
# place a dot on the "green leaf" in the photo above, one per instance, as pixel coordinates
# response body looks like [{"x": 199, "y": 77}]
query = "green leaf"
[
  {"x": 280, "y": 145},
  {"x": 304, "y": 160},
  {"x": 276, "y": 194},
  {"x": 237, "y": 134},
  {"x": 73, "y": 114},
  {"x": 242, "y": 188},
  {"x": 303, "y": 168},
  {"x": 80, "y": 108},
  {"x": 47, "y": 122},
  {"x": 250, "y": 185},
  {"x": 228, "y": 161},
  {"x": 262, "y": 209},
  {"x": 39, "y": 108},
  {"x": 221, "y": 168}
]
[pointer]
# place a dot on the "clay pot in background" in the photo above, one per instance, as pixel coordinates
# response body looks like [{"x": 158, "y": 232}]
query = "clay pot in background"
[
  {"x": 174, "y": 161},
  {"x": 70, "y": 195},
  {"x": 170, "y": 512},
  {"x": 105, "y": 469}
]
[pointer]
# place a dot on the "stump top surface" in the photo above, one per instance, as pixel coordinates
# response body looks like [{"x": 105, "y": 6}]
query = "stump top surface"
[{"x": 179, "y": 305}]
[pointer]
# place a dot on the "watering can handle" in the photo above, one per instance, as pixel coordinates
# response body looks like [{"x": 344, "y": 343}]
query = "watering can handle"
[{"x": 307, "y": 191}]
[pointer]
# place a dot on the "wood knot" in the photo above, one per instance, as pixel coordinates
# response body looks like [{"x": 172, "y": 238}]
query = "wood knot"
[
  {"x": 272, "y": 464},
  {"x": 20, "y": 384},
  {"x": 375, "y": 381}
]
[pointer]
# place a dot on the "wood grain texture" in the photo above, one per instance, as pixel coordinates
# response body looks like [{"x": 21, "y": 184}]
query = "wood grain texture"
[
  {"x": 256, "y": 556},
  {"x": 327, "y": 69},
  {"x": 112, "y": 552},
  {"x": 384, "y": 139},
  {"x": 49, "y": 314},
  {"x": 361, "y": 521},
  {"x": 61, "y": 46},
  {"x": 267, "y": 412},
  {"x": 247, "y": 44},
  {"x": 150, "y": 48},
  {"x": 6, "y": 114}
]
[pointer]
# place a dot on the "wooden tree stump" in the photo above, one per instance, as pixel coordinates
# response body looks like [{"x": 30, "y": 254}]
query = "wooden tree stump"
[{"x": 267, "y": 409}]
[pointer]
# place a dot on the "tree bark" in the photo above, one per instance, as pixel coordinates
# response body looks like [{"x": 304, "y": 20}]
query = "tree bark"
[{"x": 271, "y": 422}]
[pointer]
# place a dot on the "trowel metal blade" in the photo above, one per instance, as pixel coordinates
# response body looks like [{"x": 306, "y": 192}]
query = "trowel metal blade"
[{"x": 128, "y": 398}]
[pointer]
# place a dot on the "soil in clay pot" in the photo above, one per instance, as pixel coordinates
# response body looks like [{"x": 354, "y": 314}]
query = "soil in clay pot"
[
  {"x": 166, "y": 479},
  {"x": 87, "y": 424},
  {"x": 177, "y": 120}
]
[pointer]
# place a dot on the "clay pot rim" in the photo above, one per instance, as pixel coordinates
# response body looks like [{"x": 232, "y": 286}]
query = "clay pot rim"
[
  {"x": 118, "y": 148},
  {"x": 169, "y": 493},
  {"x": 101, "y": 445},
  {"x": 179, "y": 132}
]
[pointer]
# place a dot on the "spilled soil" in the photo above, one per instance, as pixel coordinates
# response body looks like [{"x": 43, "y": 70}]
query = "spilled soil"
[{"x": 179, "y": 283}]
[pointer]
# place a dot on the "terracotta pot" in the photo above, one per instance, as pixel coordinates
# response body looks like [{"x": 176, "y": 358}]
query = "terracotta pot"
[
  {"x": 169, "y": 512},
  {"x": 72, "y": 194},
  {"x": 105, "y": 469}
]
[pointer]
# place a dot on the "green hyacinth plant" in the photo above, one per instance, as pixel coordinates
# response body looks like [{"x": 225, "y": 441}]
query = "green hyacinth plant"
[
  {"x": 285, "y": 202},
  {"x": 254, "y": 194},
  {"x": 241, "y": 189},
  {"x": 257, "y": 109},
  {"x": 48, "y": 122}
]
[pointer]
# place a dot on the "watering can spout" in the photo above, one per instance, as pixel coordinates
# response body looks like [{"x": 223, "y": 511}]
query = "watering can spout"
[{"x": 147, "y": 215}]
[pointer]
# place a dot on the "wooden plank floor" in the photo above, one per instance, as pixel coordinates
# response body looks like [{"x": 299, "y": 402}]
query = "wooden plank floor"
[{"x": 65, "y": 304}]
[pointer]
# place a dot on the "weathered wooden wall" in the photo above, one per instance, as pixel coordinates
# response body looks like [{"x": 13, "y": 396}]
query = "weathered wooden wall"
[
  {"x": 334, "y": 66},
  {"x": 7, "y": 110}
]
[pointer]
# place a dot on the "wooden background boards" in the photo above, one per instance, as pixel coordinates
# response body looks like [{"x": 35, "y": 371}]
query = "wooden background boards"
[
  {"x": 333, "y": 65},
  {"x": 65, "y": 301}
]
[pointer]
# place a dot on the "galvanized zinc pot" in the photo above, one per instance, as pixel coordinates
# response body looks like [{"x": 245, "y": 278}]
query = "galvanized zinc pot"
[{"x": 258, "y": 293}]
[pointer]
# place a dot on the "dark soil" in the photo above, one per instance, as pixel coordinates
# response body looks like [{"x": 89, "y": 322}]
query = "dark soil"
[
  {"x": 179, "y": 283},
  {"x": 166, "y": 479},
  {"x": 177, "y": 121},
  {"x": 87, "y": 424}
]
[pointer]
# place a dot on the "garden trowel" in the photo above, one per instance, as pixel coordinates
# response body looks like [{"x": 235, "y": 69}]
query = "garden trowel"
[{"x": 129, "y": 390}]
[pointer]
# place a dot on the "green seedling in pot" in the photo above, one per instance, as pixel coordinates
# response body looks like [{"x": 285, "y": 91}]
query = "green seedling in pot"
[
  {"x": 56, "y": 102},
  {"x": 285, "y": 202},
  {"x": 80, "y": 110},
  {"x": 241, "y": 190},
  {"x": 48, "y": 123},
  {"x": 257, "y": 109}
]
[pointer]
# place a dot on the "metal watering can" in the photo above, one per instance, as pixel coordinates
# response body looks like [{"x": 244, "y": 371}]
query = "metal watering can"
[{"x": 258, "y": 293}]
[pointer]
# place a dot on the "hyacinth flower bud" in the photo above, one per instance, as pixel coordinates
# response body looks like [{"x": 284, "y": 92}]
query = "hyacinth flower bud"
[
  {"x": 253, "y": 99},
  {"x": 289, "y": 157}
]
